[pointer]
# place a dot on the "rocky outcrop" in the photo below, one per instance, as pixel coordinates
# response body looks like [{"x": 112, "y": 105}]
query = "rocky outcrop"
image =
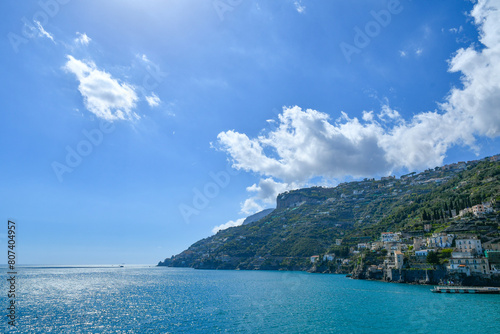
[
  {"x": 419, "y": 276},
  {"x": 463, "y": 280},
  {"x": 290, "y": 200},
  {"x": 295, "y": 198}
]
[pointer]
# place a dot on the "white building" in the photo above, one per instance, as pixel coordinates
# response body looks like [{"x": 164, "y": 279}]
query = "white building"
[
  {"x": 328, "y": 257},
  {"x": 470, "y": 245},
  {"x": 389, "y": 236},
  {"x": 440, "y": 240},
  {"x": 463, "y": 262}
]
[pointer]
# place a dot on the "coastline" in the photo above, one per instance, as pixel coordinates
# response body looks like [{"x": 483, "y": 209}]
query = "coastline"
[{"x": 435, "y": 277}]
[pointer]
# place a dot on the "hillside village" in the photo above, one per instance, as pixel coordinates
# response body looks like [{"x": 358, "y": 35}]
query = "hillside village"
[
  {"x": 398, "y": 256},
  {"x": 438, "y": 226}
]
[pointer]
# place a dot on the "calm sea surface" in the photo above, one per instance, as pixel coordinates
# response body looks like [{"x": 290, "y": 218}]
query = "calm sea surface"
[{"x": 168, "y": 300}]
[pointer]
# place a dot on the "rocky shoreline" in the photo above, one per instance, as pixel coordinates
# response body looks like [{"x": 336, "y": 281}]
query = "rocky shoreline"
[{"x": 438, "y": 276}]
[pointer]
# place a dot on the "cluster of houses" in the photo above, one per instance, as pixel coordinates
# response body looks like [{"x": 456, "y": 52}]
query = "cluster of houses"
[
  {"x": 468, "y": 254},
  {"x": 464, "y": 253}
]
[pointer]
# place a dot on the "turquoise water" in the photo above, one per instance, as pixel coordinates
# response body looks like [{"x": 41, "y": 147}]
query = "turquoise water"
[{"x": 171, "y": 300}]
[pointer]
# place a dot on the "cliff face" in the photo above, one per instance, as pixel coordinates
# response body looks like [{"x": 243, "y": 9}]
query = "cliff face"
[
  {"x": 290, "y": 200},
  {"x": 311, "y": 196},
  {"x": 308, "y": 221}
]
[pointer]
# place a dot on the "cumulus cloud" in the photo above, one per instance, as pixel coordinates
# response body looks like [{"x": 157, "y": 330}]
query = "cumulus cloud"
[
  {"x": 265, "y": 193},
  {"x": 153, "y": 100},
  {"x": 479, "y": 98},
  {"x": 307, "y": 144},
  {"x": 82, "y": 39},
  {"x": 103, "y": 95},
  {"x": 227, "y": 225}
]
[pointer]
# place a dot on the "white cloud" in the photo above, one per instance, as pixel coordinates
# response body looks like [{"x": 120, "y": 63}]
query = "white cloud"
[
  {"x": 42, "y": 32},
  {"x": 479, "y": 98},
  {"x": 402, "y": 53},
  {"x": 82, "y": 39},
  {"x": 103, "y": 95},
  {"x": 251, "y": 206},
  {"x": 368, "y": 116},
  {"x": 153, "y": 100},
  {"x": 227, "y": 225},
  {"x": 265, "y": 195},
  {"x": 419, "y": 51},
  {"x": 387, "y": 114},
  {"x": 306, "y": 143},
  {"x": 299, "y": 7}
]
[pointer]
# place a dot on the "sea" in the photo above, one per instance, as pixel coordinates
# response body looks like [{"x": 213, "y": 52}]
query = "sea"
[{"x": 149, "y": 299}]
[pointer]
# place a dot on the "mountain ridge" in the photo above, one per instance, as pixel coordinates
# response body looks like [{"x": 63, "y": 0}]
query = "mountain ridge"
[
  {"x": 311, "y": 221},
  {"x": 257, "y": 216}
]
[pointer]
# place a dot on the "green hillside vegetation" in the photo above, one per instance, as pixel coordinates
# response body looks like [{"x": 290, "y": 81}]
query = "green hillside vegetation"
[{"x": 309, "y": 221}]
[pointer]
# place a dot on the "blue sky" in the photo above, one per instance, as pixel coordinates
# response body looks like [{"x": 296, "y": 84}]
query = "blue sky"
[{"x": 133, "y": 129}]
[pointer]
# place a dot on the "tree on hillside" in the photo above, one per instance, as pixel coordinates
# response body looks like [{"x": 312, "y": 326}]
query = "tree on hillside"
[
  {"x": 426, "y": 216},
  {"x": 433, "y": 258}
]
